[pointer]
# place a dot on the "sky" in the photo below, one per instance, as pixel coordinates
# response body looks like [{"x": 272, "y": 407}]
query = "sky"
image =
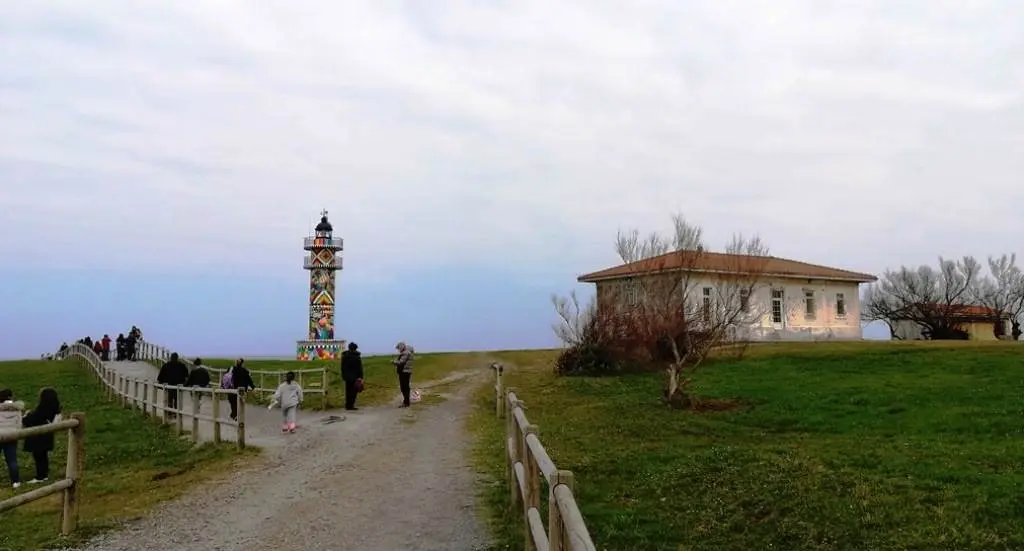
[{"x": 160, "y": 162}]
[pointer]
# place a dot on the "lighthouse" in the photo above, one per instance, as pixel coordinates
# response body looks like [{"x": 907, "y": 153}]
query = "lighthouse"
[{"x": 323, "y": 262}]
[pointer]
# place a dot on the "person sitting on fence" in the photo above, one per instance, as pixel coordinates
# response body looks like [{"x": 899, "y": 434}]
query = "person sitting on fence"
[
  {"x": 10, "y": 421},
  {"x": 352, "y": 374},
  {"x": 403, "y": 365},
  {"x": 173, "y": 373},
  {"x": 46, "y": 411},
  {"x": 198, "y": 377},
  {"x": 289, "y": 395},
  {"x": 97, "y": 347},
  {"x": 237, "y": 377}
]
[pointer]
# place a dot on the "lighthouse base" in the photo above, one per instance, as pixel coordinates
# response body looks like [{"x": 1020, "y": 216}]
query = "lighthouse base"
[{"x": 318, "y": 350}]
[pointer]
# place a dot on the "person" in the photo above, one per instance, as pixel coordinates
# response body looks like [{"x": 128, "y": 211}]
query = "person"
[
  {"x": 46, "y": 411},
  {"x": 198, "y": 377},
  {"x": 129, "y": 347},
  {"x": 289, "y": 395},
  {"x": 120, "y": 343},
  {"x": 352, "y": 374},
  {"x": 10, "y": 421},
  {"x": 97, "y": 348},
  {"x": 105, "y": 347},
  {"x": 403, "y": 366},
  {"x": 237, "y": 377},
  {"x": 173, "y": 373}
]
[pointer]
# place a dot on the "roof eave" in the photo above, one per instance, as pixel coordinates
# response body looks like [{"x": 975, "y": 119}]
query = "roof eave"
[{"x": 865, "y": 278}]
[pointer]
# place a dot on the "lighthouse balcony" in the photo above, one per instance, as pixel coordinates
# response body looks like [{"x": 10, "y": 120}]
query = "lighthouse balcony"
[
  {"x": 313, "y": 263},
  {"x": 311, "y": 243}
]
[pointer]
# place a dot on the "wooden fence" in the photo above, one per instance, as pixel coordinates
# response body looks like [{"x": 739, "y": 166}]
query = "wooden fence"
[
  {"x": 151, "y": 398},
  {"x": 527, "y": 464},
  {"x": 313, "y": 381},
  {"x": 69, "y": 485}
]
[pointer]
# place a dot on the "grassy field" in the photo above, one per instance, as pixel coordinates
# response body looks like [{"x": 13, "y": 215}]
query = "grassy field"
[
  {"x": 131, "y": 463},
  {"x": 381, "y": 383},
  {"x": 837, "y": 446}
]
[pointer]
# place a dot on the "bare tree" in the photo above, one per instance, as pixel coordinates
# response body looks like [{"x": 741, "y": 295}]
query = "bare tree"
[
  {"x": 934, "y": 299},
  {"x": 1002, "y": 291},
  {"x": 677, "y": 309}
]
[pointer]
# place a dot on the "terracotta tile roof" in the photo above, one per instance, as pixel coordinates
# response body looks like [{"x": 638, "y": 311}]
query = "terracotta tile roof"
[
  {"x": 727, "y": 263},
  {"x": 972, "y": 312}
]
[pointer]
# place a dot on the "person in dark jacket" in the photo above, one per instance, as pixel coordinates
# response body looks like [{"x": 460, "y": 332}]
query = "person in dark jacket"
[
  {"x": 47, "y": 411},
  {"x": 120, "y": 348},
  {"x": 241, "y": 380},
  {"x": 352, "y": 374},
  {"x": 173, "y": 373},
  {"x": 198, "y": 377}
]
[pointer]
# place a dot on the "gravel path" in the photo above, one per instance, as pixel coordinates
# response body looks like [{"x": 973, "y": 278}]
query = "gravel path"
[{"x": 382, "y": 479}]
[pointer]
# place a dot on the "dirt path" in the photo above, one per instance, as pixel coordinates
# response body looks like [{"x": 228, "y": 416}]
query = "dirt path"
[{"x": 383, "y": 479}]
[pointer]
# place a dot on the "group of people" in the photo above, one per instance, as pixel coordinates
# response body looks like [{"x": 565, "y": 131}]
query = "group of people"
[
  {"x": 174, "y": 372},
  {"x": 14, "y": 417},
  {"x": 125, "y": 345},
  {"x": 352, "y": 373}
]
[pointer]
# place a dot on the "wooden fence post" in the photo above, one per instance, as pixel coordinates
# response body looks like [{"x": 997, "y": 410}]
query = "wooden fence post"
[
  {"x": 153, "y": 403},
  {"x": 196, "y": 396},
  {"x": 499, "y": 404},
  {"x": 515, "y": 455},
  {"x": 216, "y": 417},
  {"x": 241, "y": 420},
  {"x": 323, "y": 387},
  {"x": 556, "y": 524},
  {"x": 180, "y": 412},
  {"x": 75, "y": 468},
  {"x": 135, "y": 392},
  {"x": 532, "y": 483}
]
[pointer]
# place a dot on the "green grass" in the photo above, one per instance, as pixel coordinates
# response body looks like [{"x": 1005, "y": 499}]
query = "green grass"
[
  {"x": 131, "y": 463},
  {"x": 838, "y": 446},
  {"x": 381, "y": 382}
]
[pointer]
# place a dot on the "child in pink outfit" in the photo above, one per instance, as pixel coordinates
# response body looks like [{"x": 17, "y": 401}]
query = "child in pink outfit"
[{"x": 289, "y": 395}]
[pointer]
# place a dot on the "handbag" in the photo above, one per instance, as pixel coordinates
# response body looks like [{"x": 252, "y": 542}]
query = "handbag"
[{"x": 359, "y": 385}]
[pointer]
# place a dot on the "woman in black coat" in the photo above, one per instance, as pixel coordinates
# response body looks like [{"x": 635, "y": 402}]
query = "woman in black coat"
[
  {"x": 352, "y": 374},
  {"x": 47, "y": 411}
]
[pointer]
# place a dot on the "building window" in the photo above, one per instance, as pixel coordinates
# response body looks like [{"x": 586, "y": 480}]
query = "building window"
[
  {"x": 631, "y": 292},
  {"x": 840, "y": 305},
  {"x": 744, "y": 300},
  {"x": 776, "y": 305},
  {"x": 707, "y": 304},
  {"x": 810, "y": 311}
]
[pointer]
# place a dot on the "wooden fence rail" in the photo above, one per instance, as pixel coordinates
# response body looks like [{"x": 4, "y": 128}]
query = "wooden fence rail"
[
  {"x": 72, "y": 480},
  {"x": 527, "y": 464},
  {"x": 152, "y": 398},
  {"x": 313, "y": 381}
]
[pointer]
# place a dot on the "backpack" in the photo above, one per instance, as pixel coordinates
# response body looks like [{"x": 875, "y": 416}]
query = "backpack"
[{"x": 227, "y": 381}]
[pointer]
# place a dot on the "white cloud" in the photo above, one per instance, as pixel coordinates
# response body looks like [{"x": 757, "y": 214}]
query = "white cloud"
[{"x": 518, "y": 133}]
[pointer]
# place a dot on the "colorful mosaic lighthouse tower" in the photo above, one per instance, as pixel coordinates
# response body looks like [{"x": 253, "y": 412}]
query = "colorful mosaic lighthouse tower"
[{"x": 323, "y": 261}]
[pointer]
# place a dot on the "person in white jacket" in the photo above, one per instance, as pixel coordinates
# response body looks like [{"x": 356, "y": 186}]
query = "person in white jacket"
[
  {"x": 289, "y": 395},
  {"x": 11, "y": 413}
]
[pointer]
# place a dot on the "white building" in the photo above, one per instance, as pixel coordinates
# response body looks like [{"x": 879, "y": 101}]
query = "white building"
[{"x": 791, "y": 300}]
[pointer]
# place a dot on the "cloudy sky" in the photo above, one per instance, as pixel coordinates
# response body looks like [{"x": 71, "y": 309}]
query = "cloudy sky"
[{"x": 160, "y": 162}]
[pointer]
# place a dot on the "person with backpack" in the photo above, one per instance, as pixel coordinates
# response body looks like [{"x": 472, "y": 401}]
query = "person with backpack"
[
  {"x": 10, "y": 421},
  {"x": 289, "y": 395},
  {"x": 237, "y": 377},
  {"x": 46, "y": 411},
  {"x": 352, "y": 374}
]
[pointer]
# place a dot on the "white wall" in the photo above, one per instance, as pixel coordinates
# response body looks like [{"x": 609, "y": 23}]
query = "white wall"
[{"x": 796, "y": 324}]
